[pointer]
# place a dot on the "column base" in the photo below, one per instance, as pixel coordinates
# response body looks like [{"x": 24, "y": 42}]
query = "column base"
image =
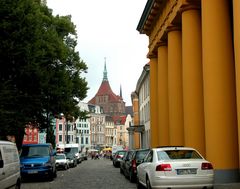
[{"x": 226, "y": 175}]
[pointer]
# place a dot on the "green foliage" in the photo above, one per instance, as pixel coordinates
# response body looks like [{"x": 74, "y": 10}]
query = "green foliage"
[{"x": 40, "y": 69}]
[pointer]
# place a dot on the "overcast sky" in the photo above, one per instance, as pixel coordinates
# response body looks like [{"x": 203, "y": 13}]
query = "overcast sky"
[{"x": 107, "y": 28}]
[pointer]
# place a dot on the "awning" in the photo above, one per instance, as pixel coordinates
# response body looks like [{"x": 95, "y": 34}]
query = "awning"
[{"x": 107, "y": 149}]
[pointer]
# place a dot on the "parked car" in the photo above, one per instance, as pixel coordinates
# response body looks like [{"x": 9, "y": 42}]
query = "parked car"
[
  {"x": 175, "y": 167},
  {"x": 61, "y": 161},
  {"x": 9, "y": 166},
  {"x": 72, "y": 159},
  {"x": 123, "y": 161},
  {"x": 115, "y": 148},
  {"x": 129, "y": 163},
  {"x": 117, "y": 157},
  {"x": 38, "y": 160},
  {"x": 84, "y": 156}
]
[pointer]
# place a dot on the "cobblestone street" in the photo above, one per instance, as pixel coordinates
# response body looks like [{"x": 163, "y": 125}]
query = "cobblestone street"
[{"x": 90, "y": 174}]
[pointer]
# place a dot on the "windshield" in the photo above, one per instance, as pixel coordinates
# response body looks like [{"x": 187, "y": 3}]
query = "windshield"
[
  {"x": 61, "y": 156},
  {"x": 72, "y": 150},
  {"x": 35, "y": 151}
]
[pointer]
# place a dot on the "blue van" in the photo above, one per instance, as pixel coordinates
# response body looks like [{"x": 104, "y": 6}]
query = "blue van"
[{"x": 37, "y": 160}]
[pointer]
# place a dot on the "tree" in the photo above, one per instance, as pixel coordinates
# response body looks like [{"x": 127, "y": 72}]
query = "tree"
[{"x": 40, "y": 70}]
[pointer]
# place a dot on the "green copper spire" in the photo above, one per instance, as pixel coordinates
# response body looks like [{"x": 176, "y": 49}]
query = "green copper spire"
[{"x": 105, "y": 78}]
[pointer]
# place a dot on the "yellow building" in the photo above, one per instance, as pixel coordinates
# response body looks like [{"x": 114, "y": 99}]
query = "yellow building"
[{"x": 194, "y": 52}]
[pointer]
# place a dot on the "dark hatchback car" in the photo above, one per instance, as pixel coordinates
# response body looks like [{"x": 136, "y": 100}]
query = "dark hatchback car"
[
  {"x": 118, "y": 157},
  {"x": 129, "y": 163}
]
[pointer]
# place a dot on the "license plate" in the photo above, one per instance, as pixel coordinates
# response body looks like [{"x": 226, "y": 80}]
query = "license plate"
[
  {"x": 32, "y": 172},
  {"x": 186, "y": 171}
]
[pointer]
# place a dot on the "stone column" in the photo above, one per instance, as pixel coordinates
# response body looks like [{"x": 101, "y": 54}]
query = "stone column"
[
  {"x": 153, "y": 102},
  {"x": 131, "y": 141},
  {"x": 236, "y": 27},
  {"x": 219, "y": 90},
  {"x": 194, "y": 131},
  {"x": 163, "y": 118},
  {"x": 176, "y": 136}
]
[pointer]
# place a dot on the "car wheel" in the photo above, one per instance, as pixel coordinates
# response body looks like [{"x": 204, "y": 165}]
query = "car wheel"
[
  {"x": 131, "y": 176},
  {"x": 139, "y": 185},
  {"x": 65, "y": 167},
  {"x": 55, "y": 173},
  {"x": 121, "y": 171},
  {"x": 148, "y": 183},
  {"x": 18, "y": 184},
  {"x": 51, "y": 176}
]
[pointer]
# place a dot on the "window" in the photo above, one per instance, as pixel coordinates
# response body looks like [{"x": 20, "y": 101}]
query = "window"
[
  {"x": 86, "y": 140},
  {"x": 60, "y": 127},
  {"x": 30, "y": 137},
  {"x": 181, "y": 154},
  {"x": 60, "y": 138},
  {"x": 35, "y": 137}
]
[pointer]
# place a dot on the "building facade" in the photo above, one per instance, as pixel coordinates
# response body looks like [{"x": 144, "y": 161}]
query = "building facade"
[
  {"x": 194, "y": 52},
  {"x": 31, "y": 135},
  {"x": 97, "y": 122},
  {"x": 141, "y": 106},
  {"x": 122, "y": 124},
  {"x": 83, "y": 129},
  {"x": 110, "y": 132}
]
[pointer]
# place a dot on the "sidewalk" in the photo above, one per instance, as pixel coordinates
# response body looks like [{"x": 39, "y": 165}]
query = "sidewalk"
[{"x": 227, "y": 186}]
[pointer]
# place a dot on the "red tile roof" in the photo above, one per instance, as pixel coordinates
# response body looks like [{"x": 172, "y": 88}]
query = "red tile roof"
[
  {"x": 105, "y": 89},
  {"x": 119, "y": 120}
]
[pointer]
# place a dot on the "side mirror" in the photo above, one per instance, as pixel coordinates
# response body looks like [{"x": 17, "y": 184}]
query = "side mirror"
[{"x": 1, "y": 163}]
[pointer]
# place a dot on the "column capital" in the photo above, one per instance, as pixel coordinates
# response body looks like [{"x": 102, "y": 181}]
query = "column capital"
[
  {"x": 152, "y": 55},
  {"x": 190, "y": 5},
  {"x": 161, "y": 43},
  {"x": 173, "y": 27}
]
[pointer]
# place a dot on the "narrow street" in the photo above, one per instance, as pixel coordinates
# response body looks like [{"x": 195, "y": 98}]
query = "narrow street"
[{"x": 90, "y": 174}]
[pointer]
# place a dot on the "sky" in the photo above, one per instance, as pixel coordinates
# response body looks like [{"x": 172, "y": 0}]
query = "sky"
[{"x": 107, "y": 29}]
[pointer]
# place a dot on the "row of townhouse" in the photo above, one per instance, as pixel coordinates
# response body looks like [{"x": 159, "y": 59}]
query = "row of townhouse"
[{"x": 97, "y": 131}]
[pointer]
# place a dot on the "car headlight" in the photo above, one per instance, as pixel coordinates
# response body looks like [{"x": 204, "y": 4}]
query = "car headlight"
[{"x": 47, "y": 164}]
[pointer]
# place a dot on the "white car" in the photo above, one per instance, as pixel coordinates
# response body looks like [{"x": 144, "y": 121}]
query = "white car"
[
  {"x": 175, "y": 167},
  {"x": 61, "y": 161},
  {"x": 9, "y": 165}
]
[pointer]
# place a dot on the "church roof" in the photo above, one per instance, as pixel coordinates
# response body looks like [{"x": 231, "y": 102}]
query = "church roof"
[{"x": 105, "y": 90}]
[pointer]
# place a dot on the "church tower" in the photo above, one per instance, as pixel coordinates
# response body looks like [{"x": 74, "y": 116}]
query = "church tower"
[{"x": 112, "y": 104}]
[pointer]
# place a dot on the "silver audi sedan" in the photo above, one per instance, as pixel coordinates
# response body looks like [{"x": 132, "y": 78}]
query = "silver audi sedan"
[{"x": 175, "y": 167}]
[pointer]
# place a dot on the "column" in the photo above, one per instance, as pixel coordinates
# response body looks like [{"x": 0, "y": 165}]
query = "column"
[
  {"x": 153, "y": 102},
  {"x": 175, "y": 86},
  {"x": 236, "y": 27},
  {"x": 136, "y": 121},
  {"x": 131, "y": 141},
  {"x": 163, "y": 118},
  {"x": 219, "y": 90},
  {"x": 194, "y": 131}
]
